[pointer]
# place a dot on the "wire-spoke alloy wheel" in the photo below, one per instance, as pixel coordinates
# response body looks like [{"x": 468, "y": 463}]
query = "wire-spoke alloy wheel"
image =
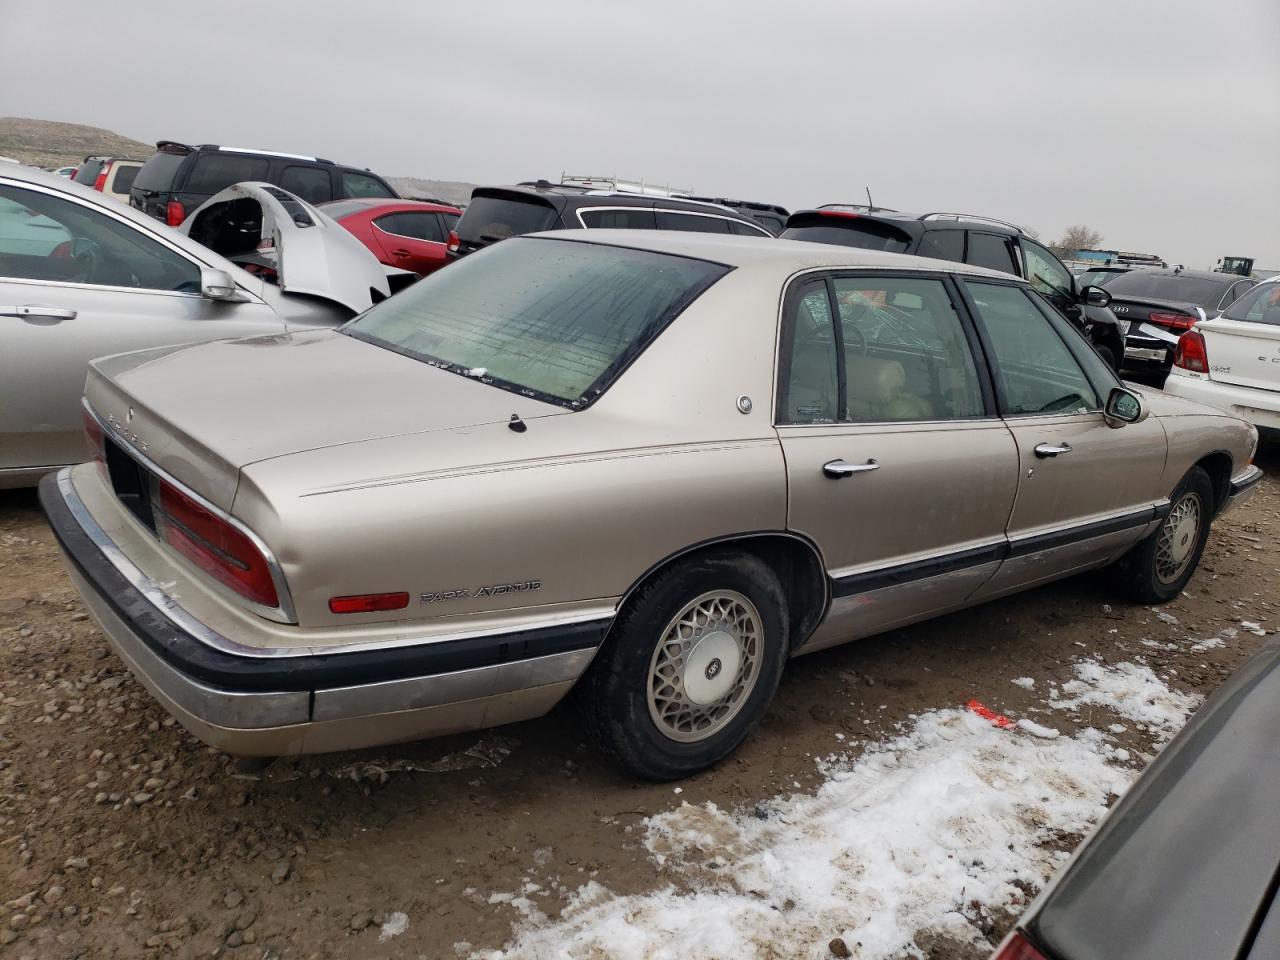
[
  {"x": 704, "y": 666},
  {"x": 1178, "y": 537}
]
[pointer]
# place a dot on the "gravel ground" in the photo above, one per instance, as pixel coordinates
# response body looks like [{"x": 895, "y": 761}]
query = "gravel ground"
[{"x": 122, "y": 836}]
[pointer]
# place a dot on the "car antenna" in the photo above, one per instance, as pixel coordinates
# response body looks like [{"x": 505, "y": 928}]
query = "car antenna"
[
  {"x": 870, "y": 206},
  {"x": 516, "y": 424}
]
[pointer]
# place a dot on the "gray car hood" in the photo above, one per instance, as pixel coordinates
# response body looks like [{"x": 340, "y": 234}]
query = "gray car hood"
[{"x": 310, "y": 253}]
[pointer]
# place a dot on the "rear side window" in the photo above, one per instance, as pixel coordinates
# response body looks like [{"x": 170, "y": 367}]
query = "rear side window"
[
  {"x": 943, "y": 245},
  {"x": 772, "y": 224},
  {"x": 495, "y": 218},
  {"x": 124, "y": 178},
  {"x": 637, "y": 218},
  {"x": 217, "y": 171},
  {"x": 419, "y": 226},
  {"x": 1258, "y": 305},
  {"x": 848, "y": 232},
  {"x": 991, "y": 251},
  {"x": 312, "y": 184},
  {"x": 362, "y": 185},
  {"x": 159, "y": 172},
  {"x": 690, "y": 222}
]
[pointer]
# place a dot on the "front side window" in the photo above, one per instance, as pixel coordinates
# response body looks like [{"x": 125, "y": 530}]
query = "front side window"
[
  {"x": 312, "y": 184},
  {"x": 636, "y": 218},
  {"x": 899, "y": 353},
  {"x": 359, "y": 185},
  {"x": 1260, "y": 304},
  {"x": 43, "y": 237},
  {"x": 552, "y": 319},
  {"x": 1035, "y": 371},
  {"x": 992, "y": 251},
  {"x": 1045, "y": 272}
]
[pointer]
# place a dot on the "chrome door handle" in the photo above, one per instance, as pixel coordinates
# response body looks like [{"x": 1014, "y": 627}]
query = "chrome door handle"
[
  {"x": 35, "y": 312},
  {"x": 835, "y": 469},
  {"x": 1048, "y": 450}
]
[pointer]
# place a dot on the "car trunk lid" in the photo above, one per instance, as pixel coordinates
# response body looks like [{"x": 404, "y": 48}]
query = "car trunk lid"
[
  {"x": 1243, "y": 353},
  {"x": 201, "y": 413}
]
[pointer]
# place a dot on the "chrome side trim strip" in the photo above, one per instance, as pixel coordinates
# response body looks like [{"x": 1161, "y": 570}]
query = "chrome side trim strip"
[{"x": 175, "y": 613}]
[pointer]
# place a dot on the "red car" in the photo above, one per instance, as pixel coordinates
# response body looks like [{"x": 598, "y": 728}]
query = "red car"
[{"x": 409, "y": 234}]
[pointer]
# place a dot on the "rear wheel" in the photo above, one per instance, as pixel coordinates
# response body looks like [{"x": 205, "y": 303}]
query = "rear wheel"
[
  {"x": 1158, "y": 568},
  {"x": 689, "y": 667}
]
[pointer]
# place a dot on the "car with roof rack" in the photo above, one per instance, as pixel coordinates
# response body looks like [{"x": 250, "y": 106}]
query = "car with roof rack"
[
  {"x": 180, "y": 177},
  {"x": 496, "y": 213},
  {"x": 771, "y": 216},
  {"x": 973, "y": 239},
  {"x": 655, "y": 465}
]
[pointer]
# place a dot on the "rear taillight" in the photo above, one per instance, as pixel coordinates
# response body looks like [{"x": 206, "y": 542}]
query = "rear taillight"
[
  {"x": 454, "y": 242},
  {"x": 1174, "y": 321},
  {"x": 1191, "y": 352},
  {"x": 369, "y": 602},
  {"x": 93, "y": 437},
  {"x": 174, "y": 213},
  {"x": 213, "y": 544},
  {"x": 1016, "y": 946},
  {"x": 102, "y": 177}
]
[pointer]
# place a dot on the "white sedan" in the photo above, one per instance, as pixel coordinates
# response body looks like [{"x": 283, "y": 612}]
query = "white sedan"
[{"x": 1233, "y": 360}]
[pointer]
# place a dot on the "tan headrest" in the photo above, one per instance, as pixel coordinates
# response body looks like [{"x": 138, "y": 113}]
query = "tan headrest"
[{"x": 872, "y": 380}]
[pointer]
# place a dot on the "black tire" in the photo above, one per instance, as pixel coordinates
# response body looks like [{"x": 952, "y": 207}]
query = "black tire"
[
  {"x": 614, "y": 695},
  {"x": 1140, "y": 569}
]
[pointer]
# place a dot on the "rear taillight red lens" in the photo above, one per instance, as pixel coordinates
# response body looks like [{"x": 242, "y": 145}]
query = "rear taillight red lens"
[
  {"x": 845, "y": 214},
  {"x": 369, "y": 602},
  {"x": 101, "y": 182},
  {"x": 454, "y": 242},
  {"x": 1017, "y": 947},
  {"x": 213, "y": 544},
  {"x": 93, "y": 437},
  {"x": 1174, "y": 321},
  {"x": 174, "y": 213},
  {"x": 1192, "y": 353}
]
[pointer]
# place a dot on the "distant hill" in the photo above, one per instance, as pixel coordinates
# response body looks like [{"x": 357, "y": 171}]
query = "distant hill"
[
  {"x": 48, "y": 143},
  {"x": 454, "y": 191}
]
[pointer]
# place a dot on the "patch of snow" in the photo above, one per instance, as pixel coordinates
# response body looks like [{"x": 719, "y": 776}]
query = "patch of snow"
[
  {"x": 1254, "y": 628},
  {"x": 1036, "y": 730},
  {"x": 1210, "y": 643},
  {"x": 893, "y": 843},
  {"x": 1168, "y": 618},
  {"x": 1026, "y": 683},
  {"x": 396, "y": 924}
]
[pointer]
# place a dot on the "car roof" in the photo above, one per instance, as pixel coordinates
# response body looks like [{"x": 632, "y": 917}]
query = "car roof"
[
  {"x": 579, "y": 195},
  {"x": 789, "y": 255},
  {"x": 1195, "y": 274},
  {"x": 406, "y": 203},
  {"x": 915, "y": 223}
]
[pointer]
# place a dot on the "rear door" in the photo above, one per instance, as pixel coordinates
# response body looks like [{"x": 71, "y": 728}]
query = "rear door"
[
  {"x": 412, "y": 240},
  {"x": 897, "y": 465},
  {"x": 109, "y": 287},
  {"x": 1086, "y": 491}
]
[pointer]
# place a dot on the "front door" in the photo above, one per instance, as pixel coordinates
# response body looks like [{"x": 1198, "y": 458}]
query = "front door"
[
  {"x": 897, "y": 466},
  {"x": 77, "y": 284},
  {"x": 1084, "y": 488}
]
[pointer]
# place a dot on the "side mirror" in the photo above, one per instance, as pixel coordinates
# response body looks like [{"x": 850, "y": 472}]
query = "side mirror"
[
  {"x": 1123, "y": 407},
  {"x": 218, "y": 285},
  {"x": 1095, "y": 296}
]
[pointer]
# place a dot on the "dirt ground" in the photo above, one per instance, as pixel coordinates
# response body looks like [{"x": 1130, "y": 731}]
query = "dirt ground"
[{"x": 122, "y": 836}]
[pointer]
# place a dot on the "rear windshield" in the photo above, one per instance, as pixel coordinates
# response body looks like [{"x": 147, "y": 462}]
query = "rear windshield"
[
  {"x": 1168, "y": 286},
  {"x": 88, "y": 172},
  {"x": 551, "y": 319},
  {"x": 214, "y": 171},
  {"x": 495, "y": 218},
  {"x": 124, "y": 178},
  {"x": 848, "y": 232},
  {"x": 1259, "y": 305},
  {"x": 157, "y": 173}
]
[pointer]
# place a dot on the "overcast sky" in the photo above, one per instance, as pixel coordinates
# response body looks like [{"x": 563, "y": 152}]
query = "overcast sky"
[{"x": 1155, "y": 121}]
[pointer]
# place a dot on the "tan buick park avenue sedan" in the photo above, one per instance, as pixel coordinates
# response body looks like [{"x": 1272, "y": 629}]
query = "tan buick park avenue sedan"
[{"x": 654, "y": 465}]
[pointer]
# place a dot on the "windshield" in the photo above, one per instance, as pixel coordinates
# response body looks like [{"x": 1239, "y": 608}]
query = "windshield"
[
  {"x": 551, "y": 319},
  {"x": 1169, "y": 286},
  {"x": 1259, "y": 305}
]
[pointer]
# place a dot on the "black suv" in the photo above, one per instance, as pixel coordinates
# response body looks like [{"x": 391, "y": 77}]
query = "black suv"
[
  {"x": 965, "y": 238},
  {"x": 496, "y": 213},
  {"x": 178, "y": 178}
]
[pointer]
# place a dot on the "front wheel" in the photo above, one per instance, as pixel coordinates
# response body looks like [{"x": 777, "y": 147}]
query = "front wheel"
[
  {"x": 689, "y": 666},
  {"x": 1158, "y": 568}
]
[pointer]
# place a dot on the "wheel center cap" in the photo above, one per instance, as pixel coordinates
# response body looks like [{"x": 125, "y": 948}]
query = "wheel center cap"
[
  {"x": 711, "y": 667},
  {"x": 1183, "y": 539}
]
